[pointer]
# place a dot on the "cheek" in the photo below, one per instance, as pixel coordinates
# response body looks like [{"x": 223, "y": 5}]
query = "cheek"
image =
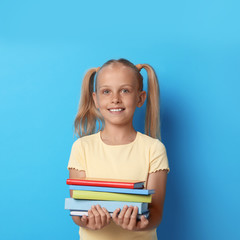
[{"x": 131, "y": 101}]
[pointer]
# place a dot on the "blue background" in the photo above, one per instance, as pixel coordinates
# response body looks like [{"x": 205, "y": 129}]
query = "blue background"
[{"x": 45, "y": 49}]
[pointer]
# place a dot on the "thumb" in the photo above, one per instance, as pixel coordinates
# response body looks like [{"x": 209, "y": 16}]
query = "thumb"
[
  {"x": 143, "y": 223},
  {"x": 84, "y": 219}
]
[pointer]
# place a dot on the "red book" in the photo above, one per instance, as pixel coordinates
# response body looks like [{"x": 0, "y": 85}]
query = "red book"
[{"x": 104, "y": 182}]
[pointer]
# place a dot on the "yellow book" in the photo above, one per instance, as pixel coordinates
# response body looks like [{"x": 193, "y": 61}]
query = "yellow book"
[{"x": 108, "y": 196}]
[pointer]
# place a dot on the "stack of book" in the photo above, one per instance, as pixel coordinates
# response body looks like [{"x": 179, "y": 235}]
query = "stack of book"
[{"x": 108, "y": 193}]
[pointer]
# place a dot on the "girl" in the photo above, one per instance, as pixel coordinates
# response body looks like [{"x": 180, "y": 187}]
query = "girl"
[{"x": 117, "y": 151}]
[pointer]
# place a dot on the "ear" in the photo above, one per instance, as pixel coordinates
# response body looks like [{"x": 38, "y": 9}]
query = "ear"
[
  {"x": 94, "y": 96},
  {"x": 141, "y": 98}
]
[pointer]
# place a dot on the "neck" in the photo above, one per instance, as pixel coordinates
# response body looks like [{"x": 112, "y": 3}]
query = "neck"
[{"x": 118, "y": 135}]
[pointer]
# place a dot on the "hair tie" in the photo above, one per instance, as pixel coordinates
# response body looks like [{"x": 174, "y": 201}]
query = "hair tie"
[
  {"x": 97, "y": 69},
  {"x": 139, "y": 67}
]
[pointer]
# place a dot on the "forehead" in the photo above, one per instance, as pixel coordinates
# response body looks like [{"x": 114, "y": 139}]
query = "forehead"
[{"x": 117, "y": 73}]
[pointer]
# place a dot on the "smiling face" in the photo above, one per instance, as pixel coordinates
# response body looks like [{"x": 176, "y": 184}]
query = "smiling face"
[{"x": 117, "y": 94}]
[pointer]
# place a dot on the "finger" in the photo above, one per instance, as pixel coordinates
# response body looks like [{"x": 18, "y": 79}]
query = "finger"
[
  {"x": 107, "y": 214},
  {"x": 121, "y": 214},
  {"x": 127, "y": 215},
  {"x": 97, "y": 217},
  {"x": 83, "y": 220},
  {"x": 115, "y": 215},
  {"x": 133, "y": 218},
  {"x": 102, "y": 215},
  {"x": 142, "y": 223},
  {"x": 91, "y": 219}
]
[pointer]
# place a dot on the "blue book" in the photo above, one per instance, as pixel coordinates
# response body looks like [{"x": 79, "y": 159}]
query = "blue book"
[
  {"x": 113, "y": 190},
  {"x": 111, "y": 206}
]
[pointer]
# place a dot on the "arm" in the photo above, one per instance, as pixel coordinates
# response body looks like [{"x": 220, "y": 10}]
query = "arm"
[
  {"x": 97, "y": 217},
  {"x": 127, "y": 218},
  {"x": 157, "y": 181}
]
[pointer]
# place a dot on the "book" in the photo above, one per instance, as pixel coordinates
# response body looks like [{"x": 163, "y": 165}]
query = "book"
[
  {"x": 111, "y": 189},
  {"x": 102, "y": 182},
  {"x": 81, "y": 213},
  {"x": 123, "y": 197},
  {"x": 111, "y": 206}
]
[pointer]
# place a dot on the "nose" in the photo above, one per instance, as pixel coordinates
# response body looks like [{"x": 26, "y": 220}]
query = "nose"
[{"x": 116, "y": 98}]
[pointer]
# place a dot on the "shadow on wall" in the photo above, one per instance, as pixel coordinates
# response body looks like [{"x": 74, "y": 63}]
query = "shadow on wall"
[
  {"x": 177, "y": 133},
  {"x": 173, "y": 200},
  {"x": 175, "y": 115}
]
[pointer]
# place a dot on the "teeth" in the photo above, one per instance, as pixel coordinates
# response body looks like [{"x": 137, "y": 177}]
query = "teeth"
[{"x": 116, "y": 110}]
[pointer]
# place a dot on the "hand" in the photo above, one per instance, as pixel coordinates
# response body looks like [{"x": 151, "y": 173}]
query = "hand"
[
  {"x": 97, "y": 218},
  {"x": 127, "y": 219}
]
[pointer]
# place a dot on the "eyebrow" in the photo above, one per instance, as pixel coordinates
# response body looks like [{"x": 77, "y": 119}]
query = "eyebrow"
[{"x": 124, "y": 85}]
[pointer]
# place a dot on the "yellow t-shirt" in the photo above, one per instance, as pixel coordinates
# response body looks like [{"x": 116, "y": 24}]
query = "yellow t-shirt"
[{"x": 129, "y": 161}]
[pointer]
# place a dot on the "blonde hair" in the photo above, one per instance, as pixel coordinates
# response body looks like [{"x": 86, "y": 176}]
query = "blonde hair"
[{"x": 88, "y": 115}]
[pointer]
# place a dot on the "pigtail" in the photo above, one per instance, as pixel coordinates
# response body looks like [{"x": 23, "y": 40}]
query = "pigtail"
[
  {"x": 88, "y": 115},
  {"x": 152, "y": 119}
]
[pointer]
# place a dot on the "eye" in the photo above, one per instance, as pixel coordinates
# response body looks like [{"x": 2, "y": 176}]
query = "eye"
[
  {"x": 125, "y": 90},
  {"x": 105, "y": 91}
]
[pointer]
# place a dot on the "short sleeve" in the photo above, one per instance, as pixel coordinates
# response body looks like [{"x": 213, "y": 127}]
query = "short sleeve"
[
  {"x": 158, "y": 157},
  {"x": 77, "y": 159}
]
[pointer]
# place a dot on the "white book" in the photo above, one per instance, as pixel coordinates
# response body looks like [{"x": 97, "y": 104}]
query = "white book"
[{"x": 81, "y": 213}]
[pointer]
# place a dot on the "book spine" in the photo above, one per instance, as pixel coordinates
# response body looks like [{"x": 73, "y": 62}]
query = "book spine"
[
  {"x": 81, "y": 213},
  {"x": 77, "y": 194},
  {"x": 111, "y": 206},
  {"x": 101, "y": 183},
  {"x": 114, "y": 190}
]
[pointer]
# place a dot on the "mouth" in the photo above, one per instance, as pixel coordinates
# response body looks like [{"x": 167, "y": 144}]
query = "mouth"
[{"x": 116, "y": 109}]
